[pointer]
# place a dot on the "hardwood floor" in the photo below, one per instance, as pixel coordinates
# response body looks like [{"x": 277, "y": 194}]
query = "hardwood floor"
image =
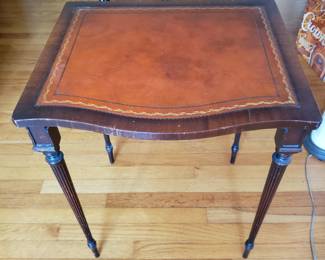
[{"x": 161, "y": 200}]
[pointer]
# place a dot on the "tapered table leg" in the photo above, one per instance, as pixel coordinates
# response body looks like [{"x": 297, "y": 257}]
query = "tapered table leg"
[
  {"x": 277, "y": 169},
  {"x": 109, "y": 148},
  {"x": 60, "y": 170},
  {"x": 46, "y": 140},
  {"x": 235, "y": 148},
  {"x": 288, "y": 141}
]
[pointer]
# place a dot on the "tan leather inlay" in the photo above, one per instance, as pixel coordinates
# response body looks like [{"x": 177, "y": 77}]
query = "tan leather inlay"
[{"x": 168, "y": 62}]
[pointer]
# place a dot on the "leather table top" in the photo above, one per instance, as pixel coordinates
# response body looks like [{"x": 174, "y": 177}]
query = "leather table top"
[{"x": 168, "y": 63}]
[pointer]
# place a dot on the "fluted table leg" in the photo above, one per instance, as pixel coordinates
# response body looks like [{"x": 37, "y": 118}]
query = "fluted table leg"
[
  {"x": 277, "y": 169},
  {"x": 235, "y": 148},
  {"x": 60, "y": 170},
  {"x": 288, "y": 142},
  {"x": 46, "y": 140}
]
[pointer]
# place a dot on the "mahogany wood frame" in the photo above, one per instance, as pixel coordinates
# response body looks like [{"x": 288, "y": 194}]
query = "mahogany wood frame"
[{"x": 293, "y": 123}]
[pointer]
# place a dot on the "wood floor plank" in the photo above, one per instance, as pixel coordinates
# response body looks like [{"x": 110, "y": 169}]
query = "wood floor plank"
[
  {"x": 16, "y": 187},
  {"x": 100, "y": 215},
  {"x": 17, "y": 200},
  {"x": 30, "y": 232},
  {"x": 279, "y": 232},
  {"x": 207, "y": 199},
  {"x": 275, "y": 215},
  {"x": 201, "y": 173},
  {"x": 160, "y": 200},
  {"x": 199, "y": 250},
  {"x": 158, "y": 215},
  {"x": 216, "y": 182},
  {"x": 102, "y": 173},
  {"x": 63, "y": 249}
]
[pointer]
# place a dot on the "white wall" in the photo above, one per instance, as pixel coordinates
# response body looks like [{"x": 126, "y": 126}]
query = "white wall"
[{"x": 292, "y": 12}]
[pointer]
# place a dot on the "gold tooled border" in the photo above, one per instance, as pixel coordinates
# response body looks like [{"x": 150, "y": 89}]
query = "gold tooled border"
[{"x": 43, "y": 98}]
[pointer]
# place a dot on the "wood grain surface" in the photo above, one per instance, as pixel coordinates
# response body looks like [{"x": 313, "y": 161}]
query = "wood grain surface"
[{"x": 161, "y": 199}]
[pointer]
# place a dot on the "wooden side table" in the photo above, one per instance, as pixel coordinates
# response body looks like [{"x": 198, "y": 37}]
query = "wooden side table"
[{"x": 181, "y": 70}]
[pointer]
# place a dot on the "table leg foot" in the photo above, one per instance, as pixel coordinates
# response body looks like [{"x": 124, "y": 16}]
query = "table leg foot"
[
  {"x": 109, "y": 149},
  {"x": 235, "y": 148},
  {"x": 93, "y": 247},
  {"x": 248, "y": 247}
]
